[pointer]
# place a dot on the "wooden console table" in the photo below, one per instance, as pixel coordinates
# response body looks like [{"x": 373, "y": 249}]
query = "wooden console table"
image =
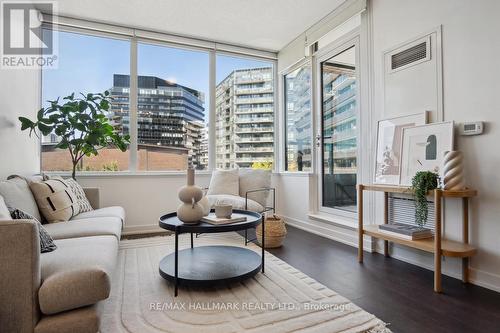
[{"x": 436, "y": 245}]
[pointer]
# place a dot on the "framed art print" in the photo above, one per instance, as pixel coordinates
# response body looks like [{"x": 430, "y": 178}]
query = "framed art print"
[
  {"x": 388, "y": 152},
  {"x": 423, "y": 149}
]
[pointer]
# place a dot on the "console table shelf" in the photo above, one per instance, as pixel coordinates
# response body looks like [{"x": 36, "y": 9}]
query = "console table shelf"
[{"x": 436, "y": 245}]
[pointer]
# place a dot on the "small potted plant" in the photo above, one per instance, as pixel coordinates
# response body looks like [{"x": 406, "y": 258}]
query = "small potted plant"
[
  {"x": 422, "y": 183},
  {"x": 80, "y": 123}
]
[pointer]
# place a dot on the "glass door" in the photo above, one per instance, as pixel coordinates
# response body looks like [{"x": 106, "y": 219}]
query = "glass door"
[{"x": 338, "y": 141}]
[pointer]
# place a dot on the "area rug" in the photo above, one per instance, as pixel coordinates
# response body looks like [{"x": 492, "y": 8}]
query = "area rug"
[{"x": 282, "y": 300}]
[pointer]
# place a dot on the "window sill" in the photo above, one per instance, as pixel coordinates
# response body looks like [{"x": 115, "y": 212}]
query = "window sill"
[
  {"x": 126, "y": 174},
  {"x": 294, "y": 174},
  {"x": 335, "y": 220}
]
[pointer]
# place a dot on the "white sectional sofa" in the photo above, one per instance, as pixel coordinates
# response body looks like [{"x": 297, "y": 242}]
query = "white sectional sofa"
[{"x": 57, "y": 291}]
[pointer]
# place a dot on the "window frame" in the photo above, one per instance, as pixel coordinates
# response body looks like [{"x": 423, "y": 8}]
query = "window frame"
[
  {"x": 283, "y": 119},
  {"x": 136, "y": 37}
]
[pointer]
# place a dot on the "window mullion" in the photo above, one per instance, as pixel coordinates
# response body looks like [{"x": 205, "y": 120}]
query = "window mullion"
[{"x": 133, "y": 95}]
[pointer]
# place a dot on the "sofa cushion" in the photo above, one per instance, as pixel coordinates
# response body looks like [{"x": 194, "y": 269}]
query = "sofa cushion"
[
  {"x": 251, "y": 179},
  {"x": 17, "y": 194},
  {"x": 46, "y": 242},
  {"x": 82, "y": 320},
  {"x": 4, "y": 211},
  {"x": 224, "y": 182},
  {"x": 112, "y": 211},
  {"x": 77, "y": 274},
  {"x": 236, "y": 201},
  {"x": 102, "y": 226},
  {"x": 55, "y": 200}
]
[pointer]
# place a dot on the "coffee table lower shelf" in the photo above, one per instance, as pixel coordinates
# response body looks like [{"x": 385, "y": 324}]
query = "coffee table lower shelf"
[{"x": 205, "y": 266}]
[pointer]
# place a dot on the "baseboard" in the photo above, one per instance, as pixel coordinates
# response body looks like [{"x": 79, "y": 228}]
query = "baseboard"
[
  {"x": 142, "y": 229},
  {"x": 348, "y": 236},
  {"x": 477, "y": 277}
]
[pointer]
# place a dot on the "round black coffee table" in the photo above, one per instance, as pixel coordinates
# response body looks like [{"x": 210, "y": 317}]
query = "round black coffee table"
[{"x": 210, "y": 265}]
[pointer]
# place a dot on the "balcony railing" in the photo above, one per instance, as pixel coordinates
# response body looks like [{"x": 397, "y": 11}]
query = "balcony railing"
[
  {"x": 253, "y": 149},
  {"x": 253, "y": 120},
  {"x": 253, "y": 110},
  {"x": 254, "y": 100},
  {"x": 258, "y": 90},
  {"x": 254, "y": 129},
  {"x": 255, "y": 139}
]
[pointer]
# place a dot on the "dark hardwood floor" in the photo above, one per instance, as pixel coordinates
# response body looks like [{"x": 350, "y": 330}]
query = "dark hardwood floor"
[{"x": 396, "y": 292}]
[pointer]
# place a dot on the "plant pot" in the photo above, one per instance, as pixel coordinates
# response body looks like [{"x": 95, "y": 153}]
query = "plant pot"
[{"x": 275, "y": 232}]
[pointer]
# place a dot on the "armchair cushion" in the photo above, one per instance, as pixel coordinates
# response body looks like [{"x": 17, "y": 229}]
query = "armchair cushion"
[
  {"x": 236, "y": 201},
  {"x": 224, "y": 182},
  {"x": 254, "y": 179}
]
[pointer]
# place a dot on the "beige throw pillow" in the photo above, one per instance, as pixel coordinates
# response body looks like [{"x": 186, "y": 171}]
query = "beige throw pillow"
[
  {"x": 254, "y": 179},
  {"x": 224, "y": 182},
  {"x": 81, "y": 199},
  {"x": 55, "y": 200}
]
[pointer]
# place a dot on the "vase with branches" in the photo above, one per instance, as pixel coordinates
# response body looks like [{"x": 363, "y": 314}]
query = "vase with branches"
[{"x": 80, "y": 123}]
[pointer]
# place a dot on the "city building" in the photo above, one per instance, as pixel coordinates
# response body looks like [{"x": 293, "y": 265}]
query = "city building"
[
  {"x": 339, "y": 135},
  {"x": 169, "y": 115},
  {"x": 245, "y": 118}
]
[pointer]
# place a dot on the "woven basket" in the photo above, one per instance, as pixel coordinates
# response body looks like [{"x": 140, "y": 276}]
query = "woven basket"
[{"x": 275, "y": 232}]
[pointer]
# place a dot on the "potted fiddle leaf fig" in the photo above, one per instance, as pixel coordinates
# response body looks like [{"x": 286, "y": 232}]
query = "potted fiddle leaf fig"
[{"x": 80, "y": 123}]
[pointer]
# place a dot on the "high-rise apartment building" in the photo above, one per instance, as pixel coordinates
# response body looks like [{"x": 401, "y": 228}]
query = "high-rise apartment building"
[
  {"x": 339, "y": 134},
  {"x": 244, "y": 118},
  {"x": 170, "y": 115}
]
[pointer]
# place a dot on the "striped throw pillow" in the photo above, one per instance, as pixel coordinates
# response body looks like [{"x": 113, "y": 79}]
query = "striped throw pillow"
[{"x": 46, "y": 242}]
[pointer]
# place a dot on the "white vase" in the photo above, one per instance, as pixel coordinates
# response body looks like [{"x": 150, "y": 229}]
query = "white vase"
[
  {"x": 190, "y": 211},
  {"x": 205, "y": 204},
  {"x": 453, "y": 171}
]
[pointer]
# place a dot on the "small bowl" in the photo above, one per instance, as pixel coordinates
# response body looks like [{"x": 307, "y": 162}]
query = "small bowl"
[{"x": 223, "y": 211}]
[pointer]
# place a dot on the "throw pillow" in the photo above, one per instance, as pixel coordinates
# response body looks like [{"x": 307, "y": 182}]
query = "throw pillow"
[
  {"x": 4, "y": 211},
  {"x": 81, "y": 199},
  {"x": 224, "y": 182},
  {"x": 251, "y": 179},
  {"x": 16, "y": 193},
  {"x": 46, "y": 242},
  {"x": 55, "y": 200}
]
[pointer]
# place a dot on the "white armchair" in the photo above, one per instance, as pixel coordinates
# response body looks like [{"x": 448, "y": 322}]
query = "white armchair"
[{"x": 246, "y": 189}]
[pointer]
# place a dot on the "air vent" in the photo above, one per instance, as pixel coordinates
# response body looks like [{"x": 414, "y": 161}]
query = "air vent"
[
  {"x": 411, "y": 54},
  {"x": 402, "y": 210},
  {"x": 408, "y": 56}
]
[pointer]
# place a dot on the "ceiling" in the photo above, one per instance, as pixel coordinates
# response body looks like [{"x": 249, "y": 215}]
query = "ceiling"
[{"x": 263, "y": 24}]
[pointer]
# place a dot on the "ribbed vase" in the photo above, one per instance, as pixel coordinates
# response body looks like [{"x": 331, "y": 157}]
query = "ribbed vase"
[{"x": 453, "y": 171}]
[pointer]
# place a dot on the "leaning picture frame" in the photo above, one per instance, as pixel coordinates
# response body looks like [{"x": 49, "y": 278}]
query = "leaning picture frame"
[
  {"x": 423, "y": 149},
  {"x": 388, "y": 150}
]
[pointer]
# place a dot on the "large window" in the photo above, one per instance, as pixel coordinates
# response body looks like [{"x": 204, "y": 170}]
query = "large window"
[
  {"x": 172, "y": 131},
  {"x": 298, "y": 144},
  {"x": 88, "y": 64},
  {"x": 171, "y": 89},
  {"x": 244, "y": 113}
]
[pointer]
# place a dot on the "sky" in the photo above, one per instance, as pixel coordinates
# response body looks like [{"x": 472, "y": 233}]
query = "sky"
[{"x": 87, "y": 64}]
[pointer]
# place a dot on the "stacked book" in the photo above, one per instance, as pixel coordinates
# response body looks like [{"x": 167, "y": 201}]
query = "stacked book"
[
  {"x": 212, "y": 219},
  {"x": 406, "y": 231}
]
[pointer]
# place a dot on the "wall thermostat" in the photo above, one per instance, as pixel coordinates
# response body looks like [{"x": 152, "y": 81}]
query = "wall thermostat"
[{"x": 471, "y": 128}]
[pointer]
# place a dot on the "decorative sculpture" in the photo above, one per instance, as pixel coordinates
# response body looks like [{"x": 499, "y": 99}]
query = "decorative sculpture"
[
  {"x": 190, "y": 211},
  {"x": 453, "y": 170}
]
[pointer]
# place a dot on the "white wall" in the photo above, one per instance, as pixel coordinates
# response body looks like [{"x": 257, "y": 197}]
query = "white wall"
[
  {"x": 19, "y": 96},
  {"x": 471, "y": 49},
  {"x": 144, "y": 197}
]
